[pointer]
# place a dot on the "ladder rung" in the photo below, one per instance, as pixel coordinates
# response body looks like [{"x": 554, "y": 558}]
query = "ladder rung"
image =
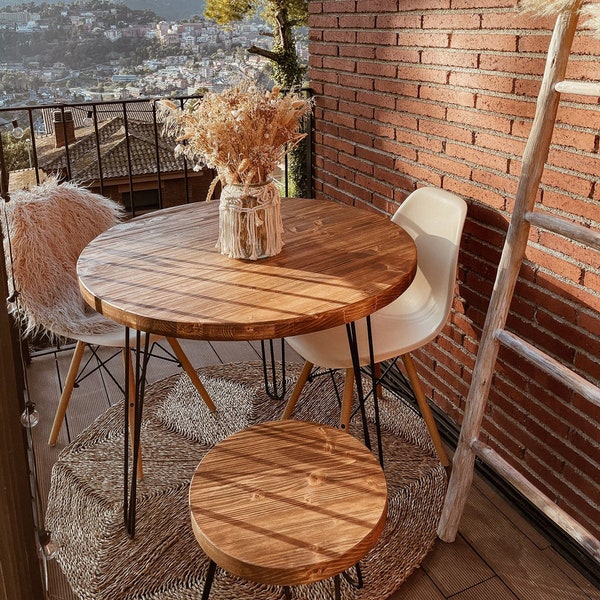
[
  {"x": 545, "y": 504},
  {"x": 569, "y": 229},
  {"x": 581, "y": 88},
  {"x": 549, "y": 365}
]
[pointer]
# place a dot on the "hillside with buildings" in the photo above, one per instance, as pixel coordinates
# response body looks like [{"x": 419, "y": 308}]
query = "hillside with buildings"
[
  {"x": 99, "y": 50},
  {"x": 178, "y": 9}
]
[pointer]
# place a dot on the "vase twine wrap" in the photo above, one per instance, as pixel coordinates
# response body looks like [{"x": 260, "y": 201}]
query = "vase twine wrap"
[{"x": 250, "y": 221}]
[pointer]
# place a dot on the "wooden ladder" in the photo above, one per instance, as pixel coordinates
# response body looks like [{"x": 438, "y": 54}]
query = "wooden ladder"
[{"x": 494, "y": 332}]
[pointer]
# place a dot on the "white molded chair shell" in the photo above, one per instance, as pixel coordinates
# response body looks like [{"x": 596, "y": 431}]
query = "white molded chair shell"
[{"x": 434, "y": 218}]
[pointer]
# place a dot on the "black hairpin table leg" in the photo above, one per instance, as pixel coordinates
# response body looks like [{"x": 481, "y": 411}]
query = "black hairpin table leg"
[
  {"x": 354, "y": 353},
  {"x": 141, "y": 363},
  {"x": 274, "y": 387}
]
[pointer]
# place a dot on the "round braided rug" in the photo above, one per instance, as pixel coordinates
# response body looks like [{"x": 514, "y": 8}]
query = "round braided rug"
[{"x": 164, "y": 561}]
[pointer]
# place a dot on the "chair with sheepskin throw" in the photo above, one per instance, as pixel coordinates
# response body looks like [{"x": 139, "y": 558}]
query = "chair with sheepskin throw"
[{"x": 48, "y": 227}]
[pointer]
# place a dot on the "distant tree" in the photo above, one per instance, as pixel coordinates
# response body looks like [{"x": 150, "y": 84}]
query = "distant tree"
[
  {"x": 16, "y": 155},
  {"x": 282, "y": 16}
]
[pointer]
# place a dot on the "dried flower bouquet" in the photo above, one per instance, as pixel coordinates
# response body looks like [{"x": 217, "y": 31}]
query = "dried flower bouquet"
[{"x": 242, "y": 132}]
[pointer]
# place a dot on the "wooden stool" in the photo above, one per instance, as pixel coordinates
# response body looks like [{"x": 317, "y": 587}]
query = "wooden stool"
[{"x": 287, "y": 503}]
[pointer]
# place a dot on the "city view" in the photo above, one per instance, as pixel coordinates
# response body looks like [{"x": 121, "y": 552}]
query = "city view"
[{"x": 103, "y": 51}]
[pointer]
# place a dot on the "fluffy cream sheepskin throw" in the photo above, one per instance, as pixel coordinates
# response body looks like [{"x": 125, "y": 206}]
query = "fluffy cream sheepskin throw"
[
  {"x": 48, "y": 227},
  {"x": 589, "y": 9}
]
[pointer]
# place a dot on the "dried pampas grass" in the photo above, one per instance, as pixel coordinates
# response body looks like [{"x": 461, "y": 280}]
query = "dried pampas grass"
[
  {"x": 242, "y": 132},
  {"x": 590, "y": 10},
  {"x": 547, "y": 7}
]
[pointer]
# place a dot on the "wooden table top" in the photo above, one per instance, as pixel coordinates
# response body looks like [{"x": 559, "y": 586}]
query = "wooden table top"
[
  {"x": 161, "y": 273},
  {"x": 288, "y": 502}
]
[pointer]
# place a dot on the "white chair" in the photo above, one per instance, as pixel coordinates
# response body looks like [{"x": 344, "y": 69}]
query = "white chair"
[
  {"x": 434, "y": 218},
  {"x": 48, "y": 227}
]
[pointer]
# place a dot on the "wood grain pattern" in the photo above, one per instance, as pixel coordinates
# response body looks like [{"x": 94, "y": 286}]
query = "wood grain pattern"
[
  {"x": 161, "y": 273},
  {"x": 288, "y": 502}
]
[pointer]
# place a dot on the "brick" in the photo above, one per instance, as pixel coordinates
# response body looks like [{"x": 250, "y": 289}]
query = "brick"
[
  {"x": 533, "y": 42},
  {"x": 450, "y": 58},
  {"x": 398, "y": 21},
  {"x": 356, "y": 108},
  {"x": 512, "y": 63},
  {"x": 381, "y": 159},
  {"x": 339, "y": 36},
  {"x": 574, "y": 161},
  {"x": 396, "y": 118},
  {"x": 477, "y": 81},
  {"x": 422, "y": 140},
  {"x": 447, "y": 96},
  {"x": 447, "y": 165},
  {"x": 375, "y": 70},
  {"x": 515, "y": 20},
  {"x": 499, "y": 42},
  {"x": 423, "y": 74},
  {"x": 339, "y": 64},
  {"x": 377, "y": 38},
  {"x": 421, "y": 5},
  {"x": 478, "y": 120},
  {"x": 529, "y": 88},
  {"x": 376, "y": 99},
  {"x": 451, "y": 21},
  {"x": 338, "y": 6},
  {"x": 362, "y": 52},
  {"x": 376, "y": 6},
  {"x": 376, "y": 185},
  {"x": 372, "y": 128},
  {"x": 323, "y": 50},
  {"x": 573, "y": 184},
  {"x": 322, "y": 22},
  {"x": 357, "y": 21},
  {"x": 581, "y": 140},
  {"x": 515, "y": 107},
  {"x": 356, "y": 136},
  {"x": 576, "y": 117}
]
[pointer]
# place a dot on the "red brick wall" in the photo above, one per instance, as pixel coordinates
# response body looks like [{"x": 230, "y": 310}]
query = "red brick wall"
[{"x": 442, "y": 92}]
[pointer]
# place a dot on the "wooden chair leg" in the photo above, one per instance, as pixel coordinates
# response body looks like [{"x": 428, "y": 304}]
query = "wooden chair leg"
[
  {"x": 65, "y": 397},
  {"x": 425, "y": 410},
  {"x": 347, "y": 399},
  {"x": 128, "y": 363},
  {"x": 189, "y": 369},
  {"x": 291, "y": 403}
]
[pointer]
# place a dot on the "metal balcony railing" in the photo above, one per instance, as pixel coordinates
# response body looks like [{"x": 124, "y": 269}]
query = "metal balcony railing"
[{"x": 115, "y": 148}]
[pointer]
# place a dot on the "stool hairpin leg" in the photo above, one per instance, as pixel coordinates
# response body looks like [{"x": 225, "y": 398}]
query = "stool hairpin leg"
[
  {"x": 353, "y": 345},
  {"x": 141, "y": 363},
  {"x": 355, "y": 583},
  {"x": 275, "y": 390},
  {"x": 337, "y": 588},
  {"x": 210, "y": 575}
]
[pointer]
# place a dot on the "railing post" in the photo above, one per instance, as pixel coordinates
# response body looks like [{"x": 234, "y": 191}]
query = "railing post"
[
  {"x": 19, "y": 563},
  {"x": 3, "y": 173}
]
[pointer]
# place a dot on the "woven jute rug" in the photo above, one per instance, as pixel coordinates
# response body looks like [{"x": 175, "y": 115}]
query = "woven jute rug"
[{"x": 85, "y": 505}]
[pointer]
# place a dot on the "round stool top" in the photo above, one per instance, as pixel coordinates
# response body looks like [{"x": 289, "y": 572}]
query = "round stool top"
[{"x": 288, "y": 502}]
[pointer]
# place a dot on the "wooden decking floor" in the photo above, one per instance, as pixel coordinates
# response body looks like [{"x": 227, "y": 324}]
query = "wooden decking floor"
[{"x": 498, "y": 555}]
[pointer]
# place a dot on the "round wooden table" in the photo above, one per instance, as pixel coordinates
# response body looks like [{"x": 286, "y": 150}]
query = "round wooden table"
[
  {"x": 161, "y": 273},
  {"x": 288, "y": 503}
]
